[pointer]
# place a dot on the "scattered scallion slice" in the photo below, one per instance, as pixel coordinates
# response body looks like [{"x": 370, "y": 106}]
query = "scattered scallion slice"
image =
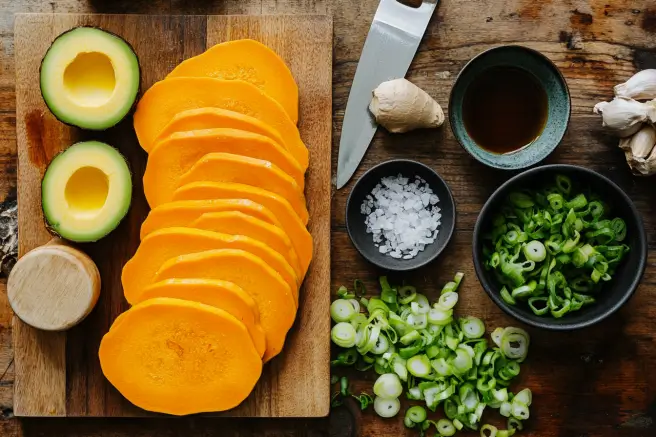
[
  {"x": 388, "y": 386},
  {"x": 387, "y": 408},
  {"x": 439, "y": 359}
]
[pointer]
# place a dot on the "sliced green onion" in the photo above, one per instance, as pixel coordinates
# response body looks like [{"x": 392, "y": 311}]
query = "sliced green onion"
[
  {"x": 514, "y": 424},
  {"x": 489, "y": 431},
  {"x": 448, "y": 300},
  {"x": 416, "y": 414},
  {"x": 442, "y": 367},
  {"x": 415, "y": 394},
  {"x": 407, "y": 294},
  {"x": 507, "y": 297},
  {"x": 388, "y": 386},
  {"x": 535, "y": 251},
  {"x": 445, "y": 428},
  {"x": 458, "y": 424},
  {"x": 439, "y": 316},
  {"x": 418, "y": 321},
  {"x": 462, "y": 362},
  {"x": 519, "y": 410},
  {"x": 381, "y": 346},
  {"x": 343, "y": 293},
  {"x": 515, "y": 343},
  {"x": 386, "y": 408},
  {"x": 496, "y": 335},
  {"x": 343, "y": 334},
  {"x": 420, "y": 304},
  {"x": 419, "y": 366},
  {"x": 356, "y": 305},
  {"x": 524, "y": 396},
  {"x": 505, "y": 409},
  {"x": 345, "y": 358},
  {"x": 341, "y": 310},
  {"x": 472, "y": 327}
]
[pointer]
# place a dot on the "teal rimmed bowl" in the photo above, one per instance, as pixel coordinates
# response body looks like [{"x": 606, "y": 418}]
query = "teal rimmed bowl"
[{"x": 558, "y": 99}]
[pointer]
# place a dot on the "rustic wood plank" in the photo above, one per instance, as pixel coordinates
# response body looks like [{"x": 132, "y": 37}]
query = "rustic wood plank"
[{"x": 161, "y": 42}]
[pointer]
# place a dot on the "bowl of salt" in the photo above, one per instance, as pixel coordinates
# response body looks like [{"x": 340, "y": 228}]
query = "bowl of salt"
[{"x": 400, "y": 215}]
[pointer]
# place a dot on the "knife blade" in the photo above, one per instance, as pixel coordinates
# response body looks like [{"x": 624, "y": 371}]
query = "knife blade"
[{"x": 390, "y": 46}]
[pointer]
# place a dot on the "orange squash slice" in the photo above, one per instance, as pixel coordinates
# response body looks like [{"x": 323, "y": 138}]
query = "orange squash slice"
[
  {"x": 161, "y": 245},
  {"x": 226, "y": 167},
  {"x": 219, "y": 294},
  {"x": 172, "y": 157},
  {"x": 238, "y": 223},
  {"x": 250, "y": 61},
  {"x": 182, "y": 213},
  {"x": 180, "y": 357},
  {"x": 168, "y": 97},
  {"x": 289, "y": 221},
  {"x": 211, "y": 118},
  {"x": 270, "y": 292}
]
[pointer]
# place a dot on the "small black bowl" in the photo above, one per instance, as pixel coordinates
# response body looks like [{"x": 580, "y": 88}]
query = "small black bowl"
[
  {"x": 355, "y": 220},
  {"x": 614, "y": 293}
]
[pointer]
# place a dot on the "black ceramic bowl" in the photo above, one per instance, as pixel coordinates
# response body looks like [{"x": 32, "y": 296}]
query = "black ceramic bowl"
[
  {"x": 614, "y": 293},
  {"x": 355, "y": 220}
]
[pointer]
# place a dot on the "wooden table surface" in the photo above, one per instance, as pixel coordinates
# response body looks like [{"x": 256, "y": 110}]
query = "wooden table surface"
[{"x": 599, "y": 382}]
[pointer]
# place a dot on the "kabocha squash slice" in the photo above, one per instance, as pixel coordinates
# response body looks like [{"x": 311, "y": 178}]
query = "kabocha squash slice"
[
  {"x": 270, "y": 292},
  {"x": 212, "y": 118},
  {"x": 180, "y": 357},
  {"x": 219, "y": 294},
  {"x": 172, "y": 157},
  {"x": 238, "y": 223},
  {"x": 168, "y": 97},
  {"x": 183, "y": 212},
  {"x": 288, "y": 220},
  {"x": 226, "y": 167},
  {"x": 163, "y": 244},
  {"x": 250, "y": 61}
]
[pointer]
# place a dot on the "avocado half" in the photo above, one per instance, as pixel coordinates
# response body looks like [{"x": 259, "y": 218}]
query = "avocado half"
[
  {"x": 90, "y": 78},
  {"x": 86, "y": 191}
]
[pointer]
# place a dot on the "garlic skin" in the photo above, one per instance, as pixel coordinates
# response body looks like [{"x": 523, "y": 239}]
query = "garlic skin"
[
  {"x": 401, "y": 106},
  {"x": 641, "y": 86},
  {"x": 624, "y": 117},
  {"x": 641, "y": 143}
]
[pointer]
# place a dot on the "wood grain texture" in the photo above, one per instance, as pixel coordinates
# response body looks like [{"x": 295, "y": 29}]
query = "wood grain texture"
[
  {"x": 595, "y": 383},
  {"x": 53, "y": 287},
  {"x": 294, "y": 385}
]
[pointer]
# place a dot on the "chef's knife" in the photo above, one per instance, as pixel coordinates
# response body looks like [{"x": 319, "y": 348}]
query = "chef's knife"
[{"x": 391, "y": 44}]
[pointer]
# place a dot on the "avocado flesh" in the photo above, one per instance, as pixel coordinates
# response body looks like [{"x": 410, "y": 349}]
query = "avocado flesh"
[
  {"x": 90, "y": 78},
  {"x": 86, "y": 191}
]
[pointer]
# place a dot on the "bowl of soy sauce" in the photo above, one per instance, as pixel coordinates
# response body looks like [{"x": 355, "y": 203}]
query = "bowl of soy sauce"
[{"x": 510, "y": 107}]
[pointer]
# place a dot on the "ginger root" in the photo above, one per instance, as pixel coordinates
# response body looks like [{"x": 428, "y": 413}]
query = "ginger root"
[{"x": 401, "y": 106}]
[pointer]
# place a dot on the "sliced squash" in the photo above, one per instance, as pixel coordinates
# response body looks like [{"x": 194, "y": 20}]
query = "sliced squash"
[
  {"x": 288, "y": 220},
  {"x": 163, "y": 244},
  {"x": 226, "y": 167},
  {"x": 211, "y": 118},
  {"x": 172, "y": 157},
  {"x": 238, "y": 223},
  {"x": 168, "y": 97},
  {"x": 183, "y": 212},
  {"x": 180, "y": 357},
  {"x": 270, "y": 292},
  {"x": 219, "y": 294},
  {"x": 250, "y": 61}
]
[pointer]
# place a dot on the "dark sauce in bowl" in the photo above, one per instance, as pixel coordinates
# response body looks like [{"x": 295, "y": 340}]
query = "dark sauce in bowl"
[{"x": 505, "y": 109}]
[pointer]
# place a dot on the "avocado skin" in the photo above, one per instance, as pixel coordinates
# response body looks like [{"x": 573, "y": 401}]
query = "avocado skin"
[{"x": 137, "y": 96}]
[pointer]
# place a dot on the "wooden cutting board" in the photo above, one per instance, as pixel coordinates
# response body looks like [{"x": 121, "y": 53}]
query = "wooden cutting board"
[{"x": 58, "y": 374}]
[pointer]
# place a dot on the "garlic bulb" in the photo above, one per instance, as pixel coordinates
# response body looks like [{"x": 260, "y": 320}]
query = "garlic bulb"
[
  {"x": 642, "y": 166},
  {"x": 641, "y": 143},
  {"x": 641, "y": 86},
  {"x": 624, "y": 117},
  {"x": 401, "y": 106}
]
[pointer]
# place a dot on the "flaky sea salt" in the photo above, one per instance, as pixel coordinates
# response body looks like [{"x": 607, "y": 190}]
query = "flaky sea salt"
[{"x": 402, "y": 216}]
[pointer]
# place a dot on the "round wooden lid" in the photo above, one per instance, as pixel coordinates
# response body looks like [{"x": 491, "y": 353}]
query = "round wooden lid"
[{"x": 53, "y": 287}]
